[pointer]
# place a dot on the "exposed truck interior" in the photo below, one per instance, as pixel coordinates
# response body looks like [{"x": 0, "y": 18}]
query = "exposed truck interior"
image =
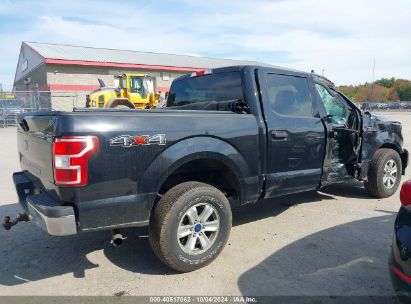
[{"x": 343, "y": 122}]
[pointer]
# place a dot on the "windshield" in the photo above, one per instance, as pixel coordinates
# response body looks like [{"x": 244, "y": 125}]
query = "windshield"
[
  {"x": 136, "y": 84},
  {"x": 211, "y": 87},
  {"x": 349, "y": 101},
  {"x": 333, "y": 106}
]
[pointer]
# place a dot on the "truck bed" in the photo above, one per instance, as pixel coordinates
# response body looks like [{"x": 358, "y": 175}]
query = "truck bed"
[{"x": 120, "y": 175}]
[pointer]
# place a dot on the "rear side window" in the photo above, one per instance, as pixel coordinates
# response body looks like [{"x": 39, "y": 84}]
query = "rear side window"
[
  {"x": 212, "y": 87},
  {"x": 289, "y": 95}
]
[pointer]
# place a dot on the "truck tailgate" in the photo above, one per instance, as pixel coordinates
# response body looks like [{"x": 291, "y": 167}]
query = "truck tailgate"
[{"x": 34, "y": 141}]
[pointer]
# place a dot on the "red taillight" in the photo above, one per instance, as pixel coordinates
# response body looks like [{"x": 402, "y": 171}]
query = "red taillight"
[
  {"x": 70, "y": 159},
  {"x": 405, "y": 194}
]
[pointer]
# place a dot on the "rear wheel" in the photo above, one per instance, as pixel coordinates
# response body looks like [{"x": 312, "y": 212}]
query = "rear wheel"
[
  {"x": 384, "y": 173},
  {"x": 190, "y": 226}
]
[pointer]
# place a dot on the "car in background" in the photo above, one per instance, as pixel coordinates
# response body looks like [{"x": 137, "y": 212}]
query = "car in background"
[
  {"x": 9, "y": 110},
  {"x": 368, "y": 106},
  {"x": 400, "y": 257},
  {"x": 393, "y": 105},
  {"x": 382, "y": 106},
  {"x": 405, "y": 105}
]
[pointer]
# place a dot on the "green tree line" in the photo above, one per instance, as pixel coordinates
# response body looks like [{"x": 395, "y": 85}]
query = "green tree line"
[{"x": 382, "y": 90}]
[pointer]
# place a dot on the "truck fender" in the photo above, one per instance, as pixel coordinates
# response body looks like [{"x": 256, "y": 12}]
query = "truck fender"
[
  {"x": 184, "y": 151},
  {"x": 376, "y": 142}
]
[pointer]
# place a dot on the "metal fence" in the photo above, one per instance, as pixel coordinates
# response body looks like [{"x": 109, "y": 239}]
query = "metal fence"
[{"x": 13, "y": 103}]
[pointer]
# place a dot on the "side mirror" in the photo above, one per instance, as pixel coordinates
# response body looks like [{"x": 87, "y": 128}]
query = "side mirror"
[{"x": 241, "y": 107}]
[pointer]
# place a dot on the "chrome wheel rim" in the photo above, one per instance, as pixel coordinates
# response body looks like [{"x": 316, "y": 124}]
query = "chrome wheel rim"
[
  {"x": 390, "y": 174},
  {"x": 198, "y": 229}
]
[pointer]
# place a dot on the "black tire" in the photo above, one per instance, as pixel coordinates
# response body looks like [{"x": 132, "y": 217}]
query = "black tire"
[
  {"x": 375, "y": 184},
  {"x": 170, "y": 211}
]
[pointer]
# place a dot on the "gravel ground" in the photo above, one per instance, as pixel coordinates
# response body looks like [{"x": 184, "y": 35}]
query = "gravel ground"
[{"x": 333, "y": 242}]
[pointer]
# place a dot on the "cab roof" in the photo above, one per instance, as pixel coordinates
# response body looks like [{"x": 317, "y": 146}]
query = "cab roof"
[{"x": 239, "y": 68}]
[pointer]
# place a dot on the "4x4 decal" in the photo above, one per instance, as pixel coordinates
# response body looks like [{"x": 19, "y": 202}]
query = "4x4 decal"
[{"x": 138, "y": 140}]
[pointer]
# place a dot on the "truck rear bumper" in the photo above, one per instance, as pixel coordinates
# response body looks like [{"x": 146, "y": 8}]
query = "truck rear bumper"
[{"x": 44, "y": 211}]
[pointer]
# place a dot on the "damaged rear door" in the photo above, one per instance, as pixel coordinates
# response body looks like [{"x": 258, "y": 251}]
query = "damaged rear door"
[{"x": 343, "y": 123}]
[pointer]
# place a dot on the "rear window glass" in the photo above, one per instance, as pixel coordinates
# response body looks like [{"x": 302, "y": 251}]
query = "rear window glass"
[{"x": 213, "y": 87}]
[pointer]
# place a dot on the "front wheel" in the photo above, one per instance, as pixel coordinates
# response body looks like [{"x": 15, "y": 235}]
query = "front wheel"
[
  {"x": 190, "y": 226},
  {"x": 384, "y": 173}
]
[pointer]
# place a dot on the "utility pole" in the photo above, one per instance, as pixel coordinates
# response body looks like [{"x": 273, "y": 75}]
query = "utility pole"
[{"x": 372, "y": 84}]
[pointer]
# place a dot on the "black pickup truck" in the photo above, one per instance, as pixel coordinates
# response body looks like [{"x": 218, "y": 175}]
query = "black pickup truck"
[{"x": 228, "y": 137}]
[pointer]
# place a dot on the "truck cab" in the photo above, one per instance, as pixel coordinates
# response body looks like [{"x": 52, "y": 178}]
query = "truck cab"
[{"x": 313, "y": 134}]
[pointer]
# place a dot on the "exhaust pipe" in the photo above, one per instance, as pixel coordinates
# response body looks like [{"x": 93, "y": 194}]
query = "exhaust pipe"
[
  {"x": 116, "y": 238},
  {"x": 101, "y": 82}
]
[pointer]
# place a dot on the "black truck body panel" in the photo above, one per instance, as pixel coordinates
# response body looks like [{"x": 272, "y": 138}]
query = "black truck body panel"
[
  {"x": 267, "y": 154},
  {"x": 298, "y": 144},
  {"x": 381, "y": 132},
  {"x": 123, "y": 182}
]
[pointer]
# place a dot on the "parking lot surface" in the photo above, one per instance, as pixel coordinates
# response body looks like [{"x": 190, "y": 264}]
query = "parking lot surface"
[{"x": 331, "y": 242}]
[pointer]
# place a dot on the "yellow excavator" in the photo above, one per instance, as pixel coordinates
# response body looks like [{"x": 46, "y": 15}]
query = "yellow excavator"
[{"x": 134, "y": 91}]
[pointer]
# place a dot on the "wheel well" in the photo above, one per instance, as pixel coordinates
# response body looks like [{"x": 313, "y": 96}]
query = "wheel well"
[
  {"x": 364, "y": 170},
  {"x": 390, "y": 146},
  {"x": 120, "y": 102},
  {"x": 209, "y": 171},
  {"x": 403, "y": 156}
]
